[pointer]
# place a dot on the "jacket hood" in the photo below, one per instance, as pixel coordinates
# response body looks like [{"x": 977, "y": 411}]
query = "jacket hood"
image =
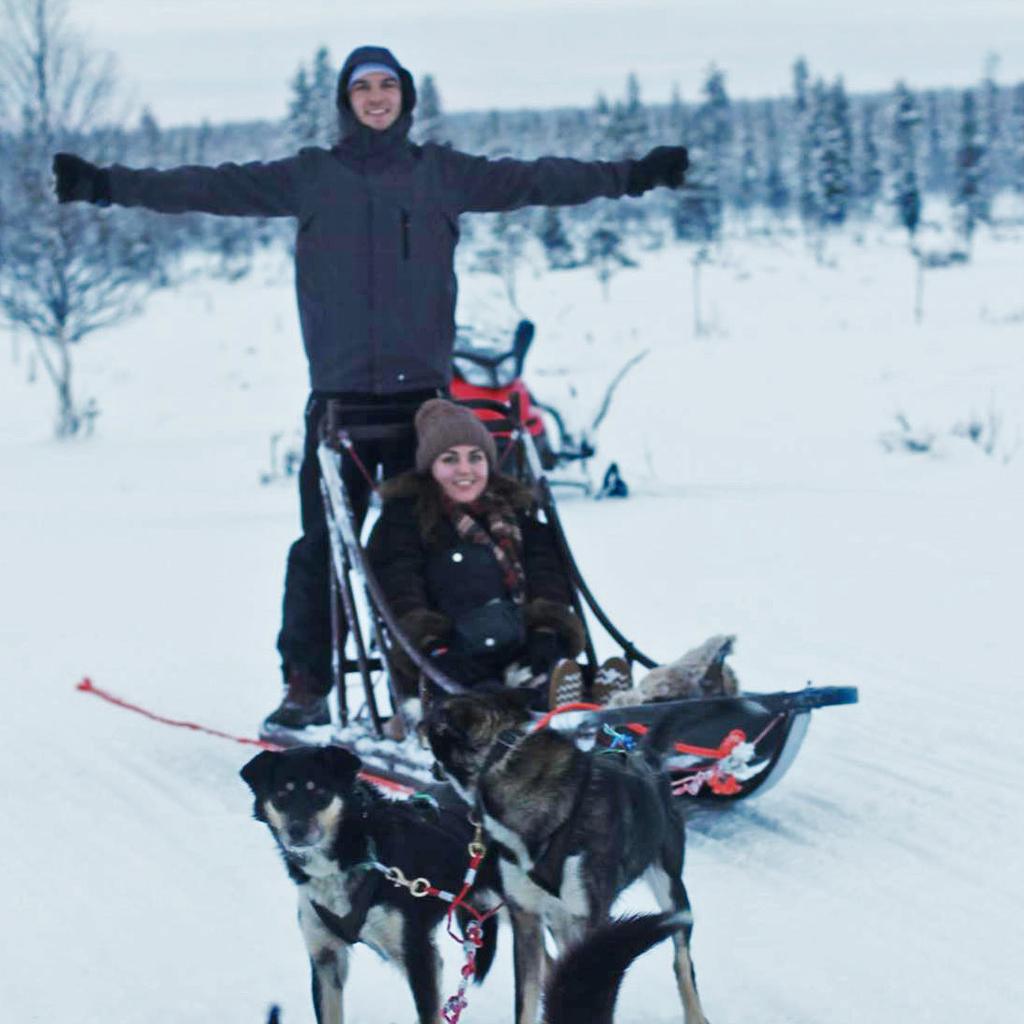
[{"x": 372, "y": 55}]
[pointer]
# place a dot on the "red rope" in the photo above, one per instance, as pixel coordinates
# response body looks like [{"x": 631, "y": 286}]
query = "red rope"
[
  {"x": 578, "y": 705},
  {"x": 86, "y": 686}
]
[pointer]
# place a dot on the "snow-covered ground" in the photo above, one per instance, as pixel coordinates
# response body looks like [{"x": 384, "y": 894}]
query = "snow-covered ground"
[{"x": 879, "y": 882}]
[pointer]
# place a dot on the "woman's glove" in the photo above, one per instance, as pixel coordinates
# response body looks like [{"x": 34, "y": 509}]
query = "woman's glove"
[
  {"x": 79, "y": 180},
  {"x": 664, "y": 165}
]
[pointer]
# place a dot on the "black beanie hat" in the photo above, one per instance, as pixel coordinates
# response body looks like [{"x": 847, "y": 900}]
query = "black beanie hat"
[{"x": 441, "y": 425}]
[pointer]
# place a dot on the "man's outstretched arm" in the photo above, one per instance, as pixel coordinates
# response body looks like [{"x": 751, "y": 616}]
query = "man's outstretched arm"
[
  {"x": 480, "y": 185},
  {"x": 240, "y": 190}
]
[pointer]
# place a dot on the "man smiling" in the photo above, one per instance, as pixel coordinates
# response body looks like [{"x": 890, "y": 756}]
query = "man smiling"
[
  {"x": 377, "y": 225},
  {"x": 375, "y": 95}
]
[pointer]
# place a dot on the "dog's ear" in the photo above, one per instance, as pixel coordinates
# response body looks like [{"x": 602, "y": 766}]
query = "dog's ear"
[
  {"x": 257, "y": 771},
  {"x": 342, "y": 764}
]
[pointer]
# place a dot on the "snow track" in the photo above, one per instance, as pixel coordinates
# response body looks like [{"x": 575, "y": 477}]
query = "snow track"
[{"x": 879, "y": 882}]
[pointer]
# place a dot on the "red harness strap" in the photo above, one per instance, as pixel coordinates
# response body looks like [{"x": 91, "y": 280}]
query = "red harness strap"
[{"x": 473, "y": 939}]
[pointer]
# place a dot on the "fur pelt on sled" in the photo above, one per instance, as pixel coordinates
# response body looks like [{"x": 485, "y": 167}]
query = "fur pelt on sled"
[{"x": 700, "y": 672}]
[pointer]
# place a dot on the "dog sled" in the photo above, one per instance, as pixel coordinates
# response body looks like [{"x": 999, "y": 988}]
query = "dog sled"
[{"x": 723, "y": 748}]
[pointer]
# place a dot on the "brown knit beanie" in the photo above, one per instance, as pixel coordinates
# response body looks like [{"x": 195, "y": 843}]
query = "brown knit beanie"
[{"x": 441, "y": 425}]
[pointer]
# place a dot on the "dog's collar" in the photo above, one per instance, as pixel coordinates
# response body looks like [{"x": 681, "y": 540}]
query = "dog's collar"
[{"x": 504, "y": 743}]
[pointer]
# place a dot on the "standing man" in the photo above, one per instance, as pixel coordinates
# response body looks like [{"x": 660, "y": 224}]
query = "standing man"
[{"x": 377, "y": 224}]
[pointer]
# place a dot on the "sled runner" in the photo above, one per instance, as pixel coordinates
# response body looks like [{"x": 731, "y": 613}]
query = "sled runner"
[{"x": 723, "y": 747}]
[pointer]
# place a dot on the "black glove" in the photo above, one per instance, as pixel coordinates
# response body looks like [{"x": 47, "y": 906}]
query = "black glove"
[
  {"x": 664, "y": 165},
  {"x": 79, "y": 180},
  {"x": 543, "y": 649}
]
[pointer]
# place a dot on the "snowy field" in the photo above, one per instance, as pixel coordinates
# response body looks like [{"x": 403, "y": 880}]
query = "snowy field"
[{"x": 878, "y": 882}]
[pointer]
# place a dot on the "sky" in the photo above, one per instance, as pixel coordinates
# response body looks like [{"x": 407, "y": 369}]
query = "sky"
[{"x": 229, "y": 60}]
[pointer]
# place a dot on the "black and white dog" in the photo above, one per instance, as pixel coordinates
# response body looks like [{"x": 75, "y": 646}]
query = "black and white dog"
[
  {"x": 335, "y": 832},
  {"x": 573, "y": 829}
]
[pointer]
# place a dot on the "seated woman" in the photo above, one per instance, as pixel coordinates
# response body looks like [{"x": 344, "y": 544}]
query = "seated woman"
[{"x": 472, "y": 574}]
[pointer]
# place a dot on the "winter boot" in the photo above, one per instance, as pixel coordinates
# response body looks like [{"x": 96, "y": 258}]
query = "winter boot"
[
  {"x": 304, "y": 703},
  {"x": 613, "y": 675},
  {"x": 565, "y": 683}
]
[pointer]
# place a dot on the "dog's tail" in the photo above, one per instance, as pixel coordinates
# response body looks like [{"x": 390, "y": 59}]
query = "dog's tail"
[{"x": 585, "y": 982}]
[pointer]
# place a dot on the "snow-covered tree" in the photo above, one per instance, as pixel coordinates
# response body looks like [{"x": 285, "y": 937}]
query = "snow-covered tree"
[
  {"x": 626, "y": 133},
  {"x": 831, "y": 153},
  {"x": 430, "y": 126},
  {"x": 807, "y": 196},
  {"x": 775, "y": 189},
  {"x": 990, "y": 131},
  {"x": 697, "y": 209},
  {"x": 65, "y": 270},
  {"x": 1017, "y": 139},
  {"x": 905, "y": 187},
  {"x": 868, "y": 174},
  {"x": 553, "y": 237},
  {"x": 748, "y": 182},
  {"x": 677, "y": 118},
  {"x": 312, "y": 118},
  {"x": 969, "y": 200},
  {"x": 605, "y": 254}
]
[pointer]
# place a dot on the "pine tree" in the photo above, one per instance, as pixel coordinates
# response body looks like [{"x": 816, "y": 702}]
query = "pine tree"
[
  {"x": 868, "y": 162},
  {"x": 627, "y": 126},
  {"x": 776, "y": 191},
  {"x": 152, "y": 141},
  {"x": 991, "y": 134},
  {"x": 697, "y": 210},
  {"x": 906, "y": 193},
  {"x": 806, "y": 192},
  {"x": 749, "y": 180},
  {"x": 1017, "y": 139},
  {"x": 557, "y": 246},
  {"x": 969, "y": 198},
  {"x": 430, "y": 126},
  {"x": 677, "y": 120},
  {"x": 300, "y": 121},
  {"x": 936, "y": 160},
  {"x": 312, "y": 116},
  {"x": 323, "y": 88},
  {"x": 716, "y": 117},
  {"x": 832, "y": 144}
]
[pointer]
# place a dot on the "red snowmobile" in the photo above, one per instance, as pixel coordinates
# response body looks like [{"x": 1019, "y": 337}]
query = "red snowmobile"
[{"x": 487, "y": 370}]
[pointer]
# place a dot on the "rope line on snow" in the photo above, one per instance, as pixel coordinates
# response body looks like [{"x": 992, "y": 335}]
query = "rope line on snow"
[{"x": 87, "y": 686}]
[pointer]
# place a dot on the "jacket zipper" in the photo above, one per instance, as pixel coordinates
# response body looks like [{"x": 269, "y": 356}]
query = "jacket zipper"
[
  {"x": 370, "y": 293},
  {"x": 405, "y": 234}
]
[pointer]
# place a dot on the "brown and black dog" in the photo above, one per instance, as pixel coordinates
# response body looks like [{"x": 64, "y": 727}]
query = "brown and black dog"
[{"x": 573, "y": 828}]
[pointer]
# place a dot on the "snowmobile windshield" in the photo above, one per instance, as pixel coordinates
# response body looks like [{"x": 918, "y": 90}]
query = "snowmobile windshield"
[
  {"x": 499, "y": 374},
  {"x": 485, "y": 360}
]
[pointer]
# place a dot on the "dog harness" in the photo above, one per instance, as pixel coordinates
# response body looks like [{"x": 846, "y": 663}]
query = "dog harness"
[{"x": 549, "y": 867}]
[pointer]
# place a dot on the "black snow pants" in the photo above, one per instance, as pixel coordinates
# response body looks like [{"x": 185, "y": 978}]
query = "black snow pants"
[{"x": 305, "y": 638}]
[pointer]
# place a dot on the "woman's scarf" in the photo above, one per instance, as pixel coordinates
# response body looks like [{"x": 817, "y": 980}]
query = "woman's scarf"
[{"x": 502, "y": 535}]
